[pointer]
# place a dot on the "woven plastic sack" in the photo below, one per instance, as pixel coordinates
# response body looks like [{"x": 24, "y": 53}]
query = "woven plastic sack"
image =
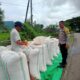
[
  {"x": 32, "y": 54},
  {"x": 39, "y": 40},
  {"x": 53, "y": 49},
  {"x": 8, "y": 47},
  {"x": 42, "y": 58},
  {"x": 15, "y": 66},
  {"x": 34, "y": 63},
  {"x": 48, "y": 44},
  {"x": 3, "y": 72},
  {"x": 2, "y": 48},
  {"x": 56, "y": 48},
  {"x": 46, "y": 54}
]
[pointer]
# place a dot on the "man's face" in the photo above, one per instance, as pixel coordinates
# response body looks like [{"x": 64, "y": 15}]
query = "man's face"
[
  {"x": 18, "y": 28},
  {"x": 61, "y": 24}
]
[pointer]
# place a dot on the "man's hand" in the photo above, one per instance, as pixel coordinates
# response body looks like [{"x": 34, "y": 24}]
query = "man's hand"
[
  {"x": 22, "y": 42},
  {"x": 25, "y": 42},
  {"x": 67, "y": 46}
]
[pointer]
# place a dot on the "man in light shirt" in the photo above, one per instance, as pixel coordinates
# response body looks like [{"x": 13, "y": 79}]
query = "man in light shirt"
[
  {"x": 63, "y": 43},
  {"x": 16, "y": 42}
]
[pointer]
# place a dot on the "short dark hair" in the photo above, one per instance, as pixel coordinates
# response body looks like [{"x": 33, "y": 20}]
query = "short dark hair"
[
  {"x": 61, "y": 21},
  {"x": 18, "y": 24}
]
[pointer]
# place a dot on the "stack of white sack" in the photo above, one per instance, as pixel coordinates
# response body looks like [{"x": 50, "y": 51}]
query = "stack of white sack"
[
  {"x": 14, "y": 66},
  {"x": 47, "y": 55},
  {"x": 39, "y": 40},
  {"x": 49, "y": 48},
  {"x": 41, "y": 57},
  {"x": 56, "y": 43},
  {"x": 8, "y": 47},
  {"x": 33, "y": 55},
  {"x": 38, "y": 58},
  {"x": 3, "y": 72},
  {"x": 42, "y": 44},
  {"x": 53, "y": 47},
  {"x": 40, "y": 52},
  {"x": 51, "y": 52}
]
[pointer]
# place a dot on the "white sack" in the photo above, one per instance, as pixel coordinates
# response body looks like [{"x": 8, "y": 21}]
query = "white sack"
[
  {"x": 34, "y": 63},
  {"x": 3, "y": 72},
  {"x": 42, "y": 59},
  {"x": 39, "y": 40},
  {"x": 16, "y": 65}
]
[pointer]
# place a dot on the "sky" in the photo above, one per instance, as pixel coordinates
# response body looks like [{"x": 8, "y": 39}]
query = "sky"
[{"x": 44, "y": 11}]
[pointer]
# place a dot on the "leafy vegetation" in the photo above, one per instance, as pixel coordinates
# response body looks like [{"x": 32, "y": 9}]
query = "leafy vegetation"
[
  {"x": 31, "y": 32},
  {"x": 52, "y": 30},
  {"x": 73, "y": 24},
  {"x": 28, "y": 32},
  {"x": 2, "y": 27},
  {"x": 4, "y": 39},
  {"x": 4, "y": 34}
]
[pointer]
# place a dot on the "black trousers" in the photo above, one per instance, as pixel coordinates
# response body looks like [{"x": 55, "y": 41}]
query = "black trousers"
[{"x": 64, "y": 53}]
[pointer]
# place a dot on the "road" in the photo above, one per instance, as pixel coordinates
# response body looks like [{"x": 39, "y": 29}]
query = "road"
[{"x": 72, "y": 71}]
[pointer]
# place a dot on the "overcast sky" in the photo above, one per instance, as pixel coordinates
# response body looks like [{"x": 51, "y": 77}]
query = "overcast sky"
[{"x": 44, "y": 11}]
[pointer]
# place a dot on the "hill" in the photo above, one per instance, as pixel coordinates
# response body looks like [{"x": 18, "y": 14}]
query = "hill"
[{"x": 9, "y": 24}]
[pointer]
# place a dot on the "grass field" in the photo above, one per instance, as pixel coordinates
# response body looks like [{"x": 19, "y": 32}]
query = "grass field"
[{"x": 4, "y": 38}]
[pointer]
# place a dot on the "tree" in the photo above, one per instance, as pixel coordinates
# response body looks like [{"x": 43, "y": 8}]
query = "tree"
[
  {"x": 73, "y": 24},
  {"x": 2, "y": 27},
  {"x": 52, "y": 30},
  {"x": 1, "y": 16}
]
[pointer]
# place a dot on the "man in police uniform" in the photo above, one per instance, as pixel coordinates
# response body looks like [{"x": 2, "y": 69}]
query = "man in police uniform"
[{"x": 63, "y": 43}]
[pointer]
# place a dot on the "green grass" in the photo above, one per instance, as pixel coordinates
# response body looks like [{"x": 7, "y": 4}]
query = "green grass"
[
  {"x": 4, "y": 39},
  {"x": 4, "y": 36}
]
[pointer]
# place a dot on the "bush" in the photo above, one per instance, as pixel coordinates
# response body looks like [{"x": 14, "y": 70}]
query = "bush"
[
  {"x": 4, "y": 39},
  {"x": 28, "y": 32}
]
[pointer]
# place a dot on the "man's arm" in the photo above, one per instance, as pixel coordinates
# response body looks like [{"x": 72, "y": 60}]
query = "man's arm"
[
  {"x": 19, "y": 42},
  {"x": 66, "y": 31}
]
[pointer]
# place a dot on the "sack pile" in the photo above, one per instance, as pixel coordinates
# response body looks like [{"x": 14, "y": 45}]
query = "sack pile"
[
  {"x": 13, "y": 66},
  {"x": 31, "y": 61}
]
